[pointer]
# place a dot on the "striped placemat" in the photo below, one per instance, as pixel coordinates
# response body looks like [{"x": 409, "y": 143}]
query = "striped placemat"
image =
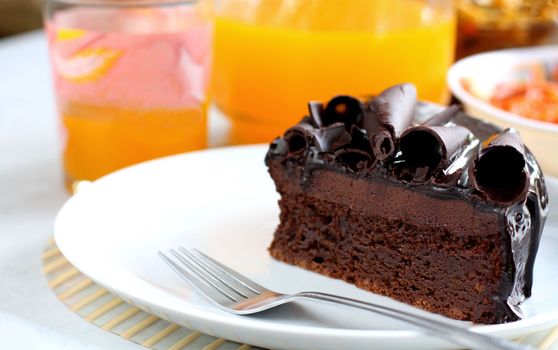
[{"x": 96, "y": 305}]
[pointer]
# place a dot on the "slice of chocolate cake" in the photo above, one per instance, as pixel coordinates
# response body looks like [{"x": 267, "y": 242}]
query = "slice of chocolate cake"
[{"x": 422, "y": 204}]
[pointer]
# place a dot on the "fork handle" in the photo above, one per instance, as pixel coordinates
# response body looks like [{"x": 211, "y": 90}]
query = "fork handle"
[{"x": 453, "y": 333}]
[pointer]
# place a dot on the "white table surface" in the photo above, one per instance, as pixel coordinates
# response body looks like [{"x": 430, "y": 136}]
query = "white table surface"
[{"x": 31, "y": 192}]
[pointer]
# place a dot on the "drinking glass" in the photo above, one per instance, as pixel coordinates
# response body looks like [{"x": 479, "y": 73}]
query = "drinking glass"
[
  {"x": 498, "y": 24},
  {"x": 130, "y": 78},
  {"x": 273, "y": 56}
]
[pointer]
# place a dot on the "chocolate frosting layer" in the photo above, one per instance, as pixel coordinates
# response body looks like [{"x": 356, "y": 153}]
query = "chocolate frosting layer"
[{"x": 440, "y": 152}]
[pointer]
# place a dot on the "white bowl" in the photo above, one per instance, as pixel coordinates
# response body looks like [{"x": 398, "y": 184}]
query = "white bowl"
[{"x": 483, "y": 72}]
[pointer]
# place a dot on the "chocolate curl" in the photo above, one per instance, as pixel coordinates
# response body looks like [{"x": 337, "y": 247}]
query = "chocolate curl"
[
  {"x": 443, "y": 117},
  {"x": 387, "y": 117},
  {"x": 316, "y": 110},
  {"x": 427, "y": 150},
  {"x": 344, "y": 109},
  {"x": 499, "y": 171},
  {"x": 332, "y": 137},
  {"x": 360, "y": 140},
  {"x": 327, "y": 139},
  {"x": 300, "y": 136}
]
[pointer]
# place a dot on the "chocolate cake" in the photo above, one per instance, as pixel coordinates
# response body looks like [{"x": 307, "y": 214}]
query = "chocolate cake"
[{"x": 422, "y": 204}]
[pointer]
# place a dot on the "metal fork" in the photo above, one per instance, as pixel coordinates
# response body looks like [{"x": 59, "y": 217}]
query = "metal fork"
[{"x": 232, "y": 292}]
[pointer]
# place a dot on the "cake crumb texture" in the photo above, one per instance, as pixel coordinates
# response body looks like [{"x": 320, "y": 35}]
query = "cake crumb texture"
[{"x": 428, "y": 267}]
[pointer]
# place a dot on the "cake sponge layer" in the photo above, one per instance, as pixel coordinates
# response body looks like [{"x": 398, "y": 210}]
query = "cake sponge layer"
[{"x": 433, "y": 268}]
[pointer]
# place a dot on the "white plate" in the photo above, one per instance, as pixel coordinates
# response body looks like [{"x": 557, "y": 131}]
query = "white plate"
[{"x": 223, "y": 202}]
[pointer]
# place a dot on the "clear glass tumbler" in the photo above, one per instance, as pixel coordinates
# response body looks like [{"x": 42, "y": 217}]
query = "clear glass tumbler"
[
  {"x": 130, "y": 78},
  {"x": 272, "y": 56}
]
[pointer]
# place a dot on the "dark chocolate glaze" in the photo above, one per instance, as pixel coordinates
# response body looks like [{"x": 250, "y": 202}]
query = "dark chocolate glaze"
[{"x": 453, "y": 169}]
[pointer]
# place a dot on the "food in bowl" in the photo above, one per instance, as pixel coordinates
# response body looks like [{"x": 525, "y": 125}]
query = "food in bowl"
[
  {"x": 532, "y": 92},
  {"x": 474, "y": 81}
]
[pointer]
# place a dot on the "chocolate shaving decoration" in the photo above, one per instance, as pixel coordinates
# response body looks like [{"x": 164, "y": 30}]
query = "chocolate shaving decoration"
[
  {"x": 387, "y": 117},
  {"x": 300, "y": 136},
  {"x": 499, "y": 173},
  {"x": 326, "y": 139},
  {"x": 360, "y": 140},
  {"x": 344, "y": 109},
  {"x": 332, "y": 137},
  {"x": 443, "y": 117},
  {"x": 426, "y": 150},
  {"x": 316, "y": 110}
]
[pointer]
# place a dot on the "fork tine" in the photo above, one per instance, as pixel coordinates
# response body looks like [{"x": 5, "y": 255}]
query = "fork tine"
[
  {"x": 219, "y": 275},
  {"x": 245, "y": 281},
  {"x": 209, "y": 291},
  {"x": 207, "y": 278}
]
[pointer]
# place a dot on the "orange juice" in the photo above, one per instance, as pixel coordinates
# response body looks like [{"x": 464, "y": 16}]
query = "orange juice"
[
  {"x": 102, "y": 139},
  {"x": 272, "y": 59},
  {"x": 130, "y": 85}
]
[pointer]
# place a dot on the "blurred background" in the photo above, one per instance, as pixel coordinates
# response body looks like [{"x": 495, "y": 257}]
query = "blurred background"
[
  {"x": 483, "y": 24},
  {"x": 18, "y": 16},
  {"x": 103, "y": 67}
]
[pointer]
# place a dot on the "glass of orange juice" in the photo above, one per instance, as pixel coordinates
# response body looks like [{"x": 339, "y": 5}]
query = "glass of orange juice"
[
  {"x": 272, "y": 56},
  {"x": 131, "y": 78}
]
